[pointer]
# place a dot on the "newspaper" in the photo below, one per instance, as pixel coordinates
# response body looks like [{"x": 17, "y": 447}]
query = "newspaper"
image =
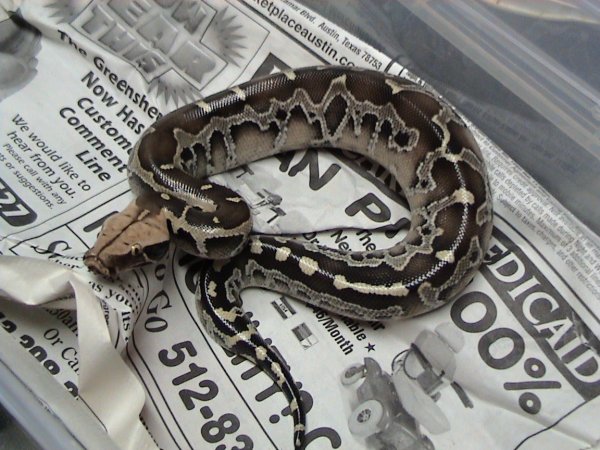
[{"x": 513, "y": 363}]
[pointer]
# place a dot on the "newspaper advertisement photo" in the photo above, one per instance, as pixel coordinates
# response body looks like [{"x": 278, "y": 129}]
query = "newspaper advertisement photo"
[{"x": 206, "y": 207}]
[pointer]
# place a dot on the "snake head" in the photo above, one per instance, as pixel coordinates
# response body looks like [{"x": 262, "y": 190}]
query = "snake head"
[{"x": 132, "y": 238}]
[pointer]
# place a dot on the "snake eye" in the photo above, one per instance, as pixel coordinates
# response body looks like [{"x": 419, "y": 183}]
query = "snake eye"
[{"x": 136, "y": 249}]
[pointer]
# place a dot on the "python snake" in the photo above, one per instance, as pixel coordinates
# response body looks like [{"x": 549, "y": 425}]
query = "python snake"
[{"x": 398, "y": 124}]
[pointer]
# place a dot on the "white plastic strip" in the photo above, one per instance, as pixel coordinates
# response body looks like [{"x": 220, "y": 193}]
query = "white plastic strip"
[{"x": 106, "y": 384}]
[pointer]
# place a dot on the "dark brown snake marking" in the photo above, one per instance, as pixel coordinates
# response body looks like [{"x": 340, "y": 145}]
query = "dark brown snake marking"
[{"x": 400, "y": 125}]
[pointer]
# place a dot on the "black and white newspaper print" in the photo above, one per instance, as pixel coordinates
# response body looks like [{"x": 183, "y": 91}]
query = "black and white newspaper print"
[{"x": 513, "y": 363}]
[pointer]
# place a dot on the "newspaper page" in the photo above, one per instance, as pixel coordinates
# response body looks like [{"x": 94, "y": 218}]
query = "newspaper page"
[{"x": 513, "y": 363}]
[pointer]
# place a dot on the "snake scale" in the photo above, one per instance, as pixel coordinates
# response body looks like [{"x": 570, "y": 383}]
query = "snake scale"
[{"x": 398, "y": 124}]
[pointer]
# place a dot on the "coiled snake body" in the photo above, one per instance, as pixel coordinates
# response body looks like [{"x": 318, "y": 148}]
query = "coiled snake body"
[{"x": 400, "y": 125}]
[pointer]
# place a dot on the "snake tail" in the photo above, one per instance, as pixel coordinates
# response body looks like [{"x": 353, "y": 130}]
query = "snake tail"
[{"x": 227, "y": 324}]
